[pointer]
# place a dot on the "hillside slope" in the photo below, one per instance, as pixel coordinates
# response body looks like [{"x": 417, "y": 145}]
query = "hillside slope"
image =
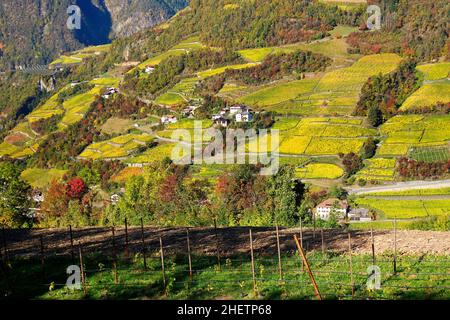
[{"x": 43, "y": 34}]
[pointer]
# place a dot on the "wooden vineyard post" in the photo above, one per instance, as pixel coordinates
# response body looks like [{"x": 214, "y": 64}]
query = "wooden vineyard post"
[
  {"x": 314, "y": 227},
  {"x": 116, "y": 277},
  {"x": 42, "y": 256},
  {"x": 72, "y": 252},
  {"x": 352, "y": 281},
  {"x": 83, "y": 274},
  {"x": 280, "y": 267},
  {"x": 395, "y": 245},
  {"x": 143, "y": 245},
  {"x": 217, "y": 243},
  {"x": 373, "y": 246},
  {"x": 308, "y": 269},
  {"x": 189, "y": 253},
  {"x": 323, "y": 243},
  {"x": 301, "y": 243},
  {"x": 161, "y": 248},
  {"x": 5, "y": 246},
  {"x": 126, "y": 238},
  {"x": 253, "y": 263}
]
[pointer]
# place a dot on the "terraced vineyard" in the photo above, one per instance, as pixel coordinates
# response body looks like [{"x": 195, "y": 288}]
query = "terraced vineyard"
[
  {"x": 377, "y": 169},
  {"x": 41, "y": 178},
  {"x": 430, "y": 154},
  {"x": 77, "y": 57},
  {"x": 117, "y": 148},
  {"x": 336, "y": 92},
  {"x": 153, "y": 155},
  {"x": 72, "y": 110},
  {"x": 406, "y": 209},
  {"x": 406, "y": 131},
  {"x": 183, "y": 91},
  {"x": 428, "y": 95},
  {"x": 324, "y": 136},
  {"x": 185, "y": 46},
  {"x": 334, "y": 48},
  {"x": 435, "y": 71},
  {"x": 320, "y": 171}
]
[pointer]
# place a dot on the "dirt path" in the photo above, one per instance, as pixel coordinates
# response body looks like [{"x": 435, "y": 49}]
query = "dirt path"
[{"x": 26, "y": 243}]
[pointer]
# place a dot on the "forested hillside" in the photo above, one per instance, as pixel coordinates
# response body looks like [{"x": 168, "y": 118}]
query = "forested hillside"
[{"x": 35, "y": 31}]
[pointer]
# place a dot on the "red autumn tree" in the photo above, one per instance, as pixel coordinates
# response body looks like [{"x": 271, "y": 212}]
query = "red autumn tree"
[{"x": 76, "y": 188}]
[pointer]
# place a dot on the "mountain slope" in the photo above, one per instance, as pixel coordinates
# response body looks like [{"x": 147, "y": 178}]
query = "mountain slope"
[{"x": 43, "y": 34}]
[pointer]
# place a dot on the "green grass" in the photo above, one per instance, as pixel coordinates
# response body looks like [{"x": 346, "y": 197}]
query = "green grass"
[
  {"x": 41, "y": 178},
  {"x": 232, "y": 281}
]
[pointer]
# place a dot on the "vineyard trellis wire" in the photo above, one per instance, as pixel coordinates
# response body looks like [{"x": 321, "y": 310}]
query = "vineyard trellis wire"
[{"x": 339, "y": 275}]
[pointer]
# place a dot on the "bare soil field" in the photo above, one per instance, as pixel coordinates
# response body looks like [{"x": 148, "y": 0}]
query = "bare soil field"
[{"x": 230, "y": 241}]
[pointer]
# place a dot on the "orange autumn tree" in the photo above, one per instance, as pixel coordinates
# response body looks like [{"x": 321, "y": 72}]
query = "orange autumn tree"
[{"x": 55, "y": 203}]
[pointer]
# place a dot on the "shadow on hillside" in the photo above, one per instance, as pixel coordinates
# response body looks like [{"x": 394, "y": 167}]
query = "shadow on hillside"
[{"x": 96, "y": 23}]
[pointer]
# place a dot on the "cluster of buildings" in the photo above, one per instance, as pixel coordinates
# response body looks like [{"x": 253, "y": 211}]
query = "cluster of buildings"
[
  {"x": 341, "y": 210},
  {"x": 237, "y": 113}
]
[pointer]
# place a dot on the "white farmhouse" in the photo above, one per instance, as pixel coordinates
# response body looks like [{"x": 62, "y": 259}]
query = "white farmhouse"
[{"x": 332, "y": 206}]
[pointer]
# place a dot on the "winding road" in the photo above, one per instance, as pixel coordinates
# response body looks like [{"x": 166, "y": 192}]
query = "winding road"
[{"x": 402, "y": 186}]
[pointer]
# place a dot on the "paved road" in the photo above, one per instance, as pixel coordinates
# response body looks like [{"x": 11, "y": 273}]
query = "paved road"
[{"x": 402, "y": 186}]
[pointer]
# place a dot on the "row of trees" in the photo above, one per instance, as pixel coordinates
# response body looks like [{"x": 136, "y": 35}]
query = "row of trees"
[
  {"x": 382, "y": 95},
  {"x": 167, "y": 195},
  {"x": 277, "y": 66},
  {"x": 412, "y": 169}
]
